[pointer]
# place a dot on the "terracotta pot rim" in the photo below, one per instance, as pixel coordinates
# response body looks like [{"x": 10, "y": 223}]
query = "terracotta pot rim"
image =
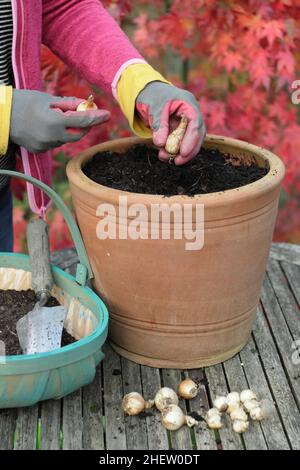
[{"x": 266, "y": 184}]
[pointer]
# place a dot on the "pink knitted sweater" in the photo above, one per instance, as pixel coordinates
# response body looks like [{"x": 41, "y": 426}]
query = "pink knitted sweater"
[{"x": 80, "y": 32}]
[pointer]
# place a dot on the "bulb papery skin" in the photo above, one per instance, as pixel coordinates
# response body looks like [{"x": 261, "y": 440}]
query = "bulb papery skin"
[
  {"x": 257, "y": 414},
  {"x": 213, "y": 412},
  {"x": 220, "y": 403},
  {"x": 214, "y": 422},
  {"x": 238, "y": 414},
  {"x": 250, "y": 404},
  {"x": 165, "y": 397},
  {"x": 173, "y": 418},
  {"x": 133, "y": 404},
  {"x": 240, "y": 426},
  {"x": 233, "y": 397},
  {"x": 175, "y": 138},
  {"x": 232, "y": 406},
  {"x": 247, "y": 395},
  {"x": 188, "y": 389},
  {"x": 87, "y": 104}
]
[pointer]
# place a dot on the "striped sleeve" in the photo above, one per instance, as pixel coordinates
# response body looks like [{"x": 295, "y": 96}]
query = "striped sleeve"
[{"x": 6, "y": 37}]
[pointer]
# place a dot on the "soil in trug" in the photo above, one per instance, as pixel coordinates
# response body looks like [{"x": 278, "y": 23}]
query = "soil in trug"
[
  {"x": 14, "y": 305},
  {"x": 140, "y": 171}
]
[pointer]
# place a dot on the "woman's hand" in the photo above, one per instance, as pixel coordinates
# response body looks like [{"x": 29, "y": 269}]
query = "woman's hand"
[
  {"x": 160, "y": 106},
  {"x": 40, "y": 121}
]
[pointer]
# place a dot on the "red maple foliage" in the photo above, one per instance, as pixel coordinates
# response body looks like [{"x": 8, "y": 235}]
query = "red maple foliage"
[
  {"x": 243, "y": 59},
  {"x": 240, "y": 59}
]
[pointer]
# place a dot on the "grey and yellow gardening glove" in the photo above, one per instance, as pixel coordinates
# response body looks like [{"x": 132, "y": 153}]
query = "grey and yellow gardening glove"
[
  {"x": 160, "y": 106},
  {"x": 40, "y": 121}
]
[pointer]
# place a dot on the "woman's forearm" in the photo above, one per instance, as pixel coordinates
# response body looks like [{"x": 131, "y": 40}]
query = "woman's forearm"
[{"x": 87, "y": 38}]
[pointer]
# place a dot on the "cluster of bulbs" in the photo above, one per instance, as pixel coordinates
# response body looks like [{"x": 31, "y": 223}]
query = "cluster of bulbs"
[
  {"x": 166, "y": 401},
  {"x": 239, "y": 406},
  {"x": 173, "y": 418}
]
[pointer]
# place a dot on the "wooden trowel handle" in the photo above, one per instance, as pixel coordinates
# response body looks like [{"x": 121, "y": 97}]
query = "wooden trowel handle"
[{"x": 39, "y": 254}]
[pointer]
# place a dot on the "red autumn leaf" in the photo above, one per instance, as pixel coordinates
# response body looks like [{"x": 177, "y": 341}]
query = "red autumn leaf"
[
  {"x": 285, "y": 63},
  {"x": 232, "y": 61},
  {"x": 272, "y": 30},
  {"x": 260, "y": 70}
]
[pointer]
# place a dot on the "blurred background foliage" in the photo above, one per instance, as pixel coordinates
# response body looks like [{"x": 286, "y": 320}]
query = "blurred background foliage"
[{"x": 239, "y": 58}]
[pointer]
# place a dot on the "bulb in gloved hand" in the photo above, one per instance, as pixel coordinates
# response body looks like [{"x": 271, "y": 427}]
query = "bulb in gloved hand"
[
  {"x": 175, "y": 138},
  {"x": 87, "y": 104}
]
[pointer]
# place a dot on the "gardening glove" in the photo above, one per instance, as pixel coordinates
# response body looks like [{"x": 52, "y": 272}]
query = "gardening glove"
[
  {"x": 40, "y": 121},
  {"x": 160, "y": 106}
]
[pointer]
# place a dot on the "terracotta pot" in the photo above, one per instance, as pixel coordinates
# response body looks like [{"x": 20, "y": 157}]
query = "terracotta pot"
[{"x": 174, "y": 308}]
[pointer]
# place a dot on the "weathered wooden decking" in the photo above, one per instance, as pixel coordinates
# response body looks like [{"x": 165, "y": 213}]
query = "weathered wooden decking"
[{"x": 92, "y": 418}]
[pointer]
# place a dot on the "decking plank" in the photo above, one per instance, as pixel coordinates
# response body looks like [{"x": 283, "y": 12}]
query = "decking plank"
[
  {"x": 273, "y": 430},
  {"x": 72, "y": 421},
  {"x": 282, "y": 335},
  {"x": 205, "y": 438},
  {"x": 93, "y": 430},
  {"x": 115, "y": 432},
  {"x": 218, "y": 386},
  {"x": 285, "y": 296},
  {"x": 50, "y": 425},
  {"x": 181, "y": 439},
  {"x": 277, "y": 380},
  {"x": 254, "y": 437},
  {"x": 26, "y": 428},
  {"x": 292, "y": 273},
  {"x": 286, "y": 252},
  {"x": 136, "y": 428},
  {"x": 265, "y": 365},
  {"x": 157, "y": 435},
  {"x": 8, "y": 419}
]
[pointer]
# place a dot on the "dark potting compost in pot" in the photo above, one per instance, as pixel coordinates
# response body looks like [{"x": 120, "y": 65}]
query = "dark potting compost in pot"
[
  {"x": 14, "y": 305},
  {"x": 140, "y": 171}
]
